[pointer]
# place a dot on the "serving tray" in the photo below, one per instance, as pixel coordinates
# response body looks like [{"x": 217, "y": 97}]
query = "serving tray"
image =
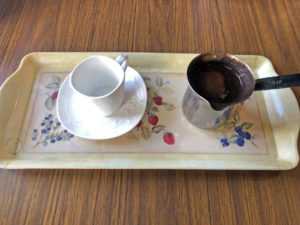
[{"x": 261, "y": 133}]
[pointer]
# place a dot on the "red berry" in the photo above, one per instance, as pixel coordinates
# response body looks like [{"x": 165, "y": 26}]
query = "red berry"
[
  {"x": 158, "y": 100},
  {"x": 139, "y": 124},
  {"x": 153, "y": 120},
  {"x": 169, "y": 138},
  {"x": 54, "y": 95}
]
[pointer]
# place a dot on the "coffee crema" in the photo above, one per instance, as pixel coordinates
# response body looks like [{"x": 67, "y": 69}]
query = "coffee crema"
[{"x": 216, "y": 81}]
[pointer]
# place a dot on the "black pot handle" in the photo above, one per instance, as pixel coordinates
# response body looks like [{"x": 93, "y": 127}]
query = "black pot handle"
[{"x": 284, "y": 81}]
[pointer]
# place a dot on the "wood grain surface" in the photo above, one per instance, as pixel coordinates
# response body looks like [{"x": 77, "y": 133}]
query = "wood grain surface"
[{"x": 269, "y": 28}]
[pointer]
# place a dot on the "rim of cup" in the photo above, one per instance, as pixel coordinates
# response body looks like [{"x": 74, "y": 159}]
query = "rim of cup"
[{"x": 83, "y": 62}]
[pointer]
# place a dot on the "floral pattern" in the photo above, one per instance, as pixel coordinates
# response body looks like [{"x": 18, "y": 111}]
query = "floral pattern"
[
  {"x": 51, "y": 130},
  {"x": 234, "y": 132},
  {"x": 52, "y": 94},
  {"x": 240, "y": 134},
  {"x": 155, "y": 102}
]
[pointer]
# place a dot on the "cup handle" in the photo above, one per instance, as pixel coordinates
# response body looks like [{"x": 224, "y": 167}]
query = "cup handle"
[{"x": 123, "y": 61}]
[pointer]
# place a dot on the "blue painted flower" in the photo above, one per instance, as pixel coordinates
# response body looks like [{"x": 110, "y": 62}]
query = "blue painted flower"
[
  {"x": 58, "y": 138},
  {"x": 241, "y": 134},
  {"x": 51, "y": 131},
  {"x": 247, "y": 135},
  {"x": 224, "y": 142},
  {"x": 240, "y": 142},
  {"x": 237, "y": 129}
]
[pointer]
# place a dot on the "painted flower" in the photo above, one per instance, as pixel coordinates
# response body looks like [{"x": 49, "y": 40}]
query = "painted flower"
[
  {"x": 241, "y": 132},
  {"x": 58, "y": 138},
  {"x": 247, "y": 135},
  {"x": 169, "y": 138},
  {"x": 51, "y": 132},
  {"x": 240, "y": 142},
  {"x": 54, "y": 95},
  {"x": 150, "y": 124},
  {"x": 224, "y": 142},
  {"x": 237, "y": 129},
  {"x": 139, "y": 124},
  {"x": 153, "y": 120},
  {"x": 158, "y": 100}
]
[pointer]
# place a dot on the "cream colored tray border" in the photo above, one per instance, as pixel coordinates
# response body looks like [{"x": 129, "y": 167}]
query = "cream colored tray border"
[{"x": 281, "y": 106}]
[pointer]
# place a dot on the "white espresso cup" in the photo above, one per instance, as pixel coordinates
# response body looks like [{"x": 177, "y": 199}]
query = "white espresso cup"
[{"x": 101, "y": 79}]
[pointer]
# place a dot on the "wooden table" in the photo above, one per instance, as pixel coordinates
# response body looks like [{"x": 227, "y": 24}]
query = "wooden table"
[{"x": 269, "y": 28}]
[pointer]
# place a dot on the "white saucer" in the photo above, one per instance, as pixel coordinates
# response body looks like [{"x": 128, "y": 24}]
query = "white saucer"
[{"x": 82, "y": 118}]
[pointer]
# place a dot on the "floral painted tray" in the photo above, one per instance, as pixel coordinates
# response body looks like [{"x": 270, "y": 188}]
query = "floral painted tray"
[{"x": 261, "y": 133}]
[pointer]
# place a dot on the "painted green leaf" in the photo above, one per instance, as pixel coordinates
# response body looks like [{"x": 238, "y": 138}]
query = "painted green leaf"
[
  {"x": 50, "y": 103},
  {"x": 154, "y": 109},
  {"x": 159, "y": 81},
  {"x": 233, "y": 138},
  {"x": 169, "y": 106},
  {"x": 158, "y": 128},
  {"x": 229, "y": 125},
  {"x": 144, "y": 132},
  {"x": 246, "y": 126},
  {"x": 53, "y": 85},
  {"x": 56, "y": 79},
  {"x": 236, "y": 116}
]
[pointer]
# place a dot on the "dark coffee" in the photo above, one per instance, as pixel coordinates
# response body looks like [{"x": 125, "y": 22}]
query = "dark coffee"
[{"x": 216, "y": 81}]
